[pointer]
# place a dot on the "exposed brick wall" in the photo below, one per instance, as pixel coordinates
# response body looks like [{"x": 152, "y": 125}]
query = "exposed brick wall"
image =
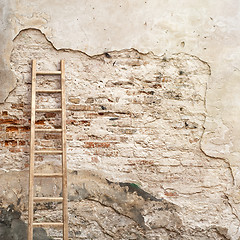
[
  {"x": 126, "y": 112},
  {"x": 129, "y": 115}
]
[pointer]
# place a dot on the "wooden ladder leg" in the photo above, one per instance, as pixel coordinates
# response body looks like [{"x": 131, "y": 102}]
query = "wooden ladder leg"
[
  {"x": 64, "y": 198},
  {"x": 32, "y": 149},
  {"x": 64, "y": 160}
]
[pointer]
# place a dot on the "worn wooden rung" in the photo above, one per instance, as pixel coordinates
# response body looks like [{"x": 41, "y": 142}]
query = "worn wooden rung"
[
  {"x": 48, "y": 224},
  {"x": 49, "y": 91},
  {"x": 47, "y": 199},
  {"x": 48, "y": 151},
  {"x": 48, "y": 175},
  {"x": 48, "y": 72},
  {"x": 49, "y": 110},
  {"x": 47, "y": 130}
]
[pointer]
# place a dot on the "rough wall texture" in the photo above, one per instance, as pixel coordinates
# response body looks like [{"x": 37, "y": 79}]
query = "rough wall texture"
[
  {"x": 166, "y": 122},
  {"x": 7, "y": 78},
  {"x": 134, "y": 127},
  {"x": 207, "y": 29}
]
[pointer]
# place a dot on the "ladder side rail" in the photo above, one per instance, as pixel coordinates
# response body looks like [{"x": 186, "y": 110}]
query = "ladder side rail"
[
  {"x": 64, "y": 160},
  {"x": 32, "y": 149}
]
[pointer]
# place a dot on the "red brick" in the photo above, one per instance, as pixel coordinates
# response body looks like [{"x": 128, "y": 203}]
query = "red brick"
[
  {"x": 11, "y": 129},
  {"x": 97, "y": 144},
  {"x": 146, "y": 162},
  {"x": 18, "y": 106},
  {"x": 26, "y": 165},
  {"x": 85, "y": 123},
  {"x": 71, "y": 121},
  {"x": 89, "y": 145},
  {"x": 39, "y": 122},
  {"x": 170, "y": 194},
  {"x": 15, "y": 150},
  {"x": 12, "y": 121},
  {"x": 12, "y": 143},
  {"x": 24, "y": 129},
  {"x": 21, "y": 142},
  {"x": 157, "y": 85},
  {"x": 102, "y": 145},
  {"x": 132, "y": 163}
]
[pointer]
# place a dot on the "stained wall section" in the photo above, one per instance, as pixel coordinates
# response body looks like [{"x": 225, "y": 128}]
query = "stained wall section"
[{"x": 131, "y": 118}]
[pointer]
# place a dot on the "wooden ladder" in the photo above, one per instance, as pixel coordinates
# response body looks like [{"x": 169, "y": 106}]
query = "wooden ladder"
[{"x": 33, "y": 152}]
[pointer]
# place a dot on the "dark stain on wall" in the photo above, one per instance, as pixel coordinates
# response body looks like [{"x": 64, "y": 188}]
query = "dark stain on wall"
[{"x": 13, "y": 228}]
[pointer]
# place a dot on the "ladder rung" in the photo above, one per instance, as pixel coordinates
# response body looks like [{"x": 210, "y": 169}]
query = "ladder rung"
[
  {"x": 49, "y": 91},
  {"x": 49, "y": 110},
  {"x": 48, "y": 151},
  {"x": 48, "y": 224},
  {"x": 48, "y": 72},
  {"x": 48, "y": 175},
  {"x": 47, "y": 130},
  {"x": 47, "y": 199}
]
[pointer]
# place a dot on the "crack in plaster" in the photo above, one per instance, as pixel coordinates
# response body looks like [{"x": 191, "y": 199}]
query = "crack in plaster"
[
  {"x": 109, "y": 206},
  {"x": 234, "y": 212},
  {"x": 204, "y": 131}
]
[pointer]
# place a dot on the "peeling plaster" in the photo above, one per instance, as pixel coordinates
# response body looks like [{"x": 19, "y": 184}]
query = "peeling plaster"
[
  {"x": 196, "y": 33},
  {"x": 128, "y": 58},
  {"x": 209, "y": 31}
]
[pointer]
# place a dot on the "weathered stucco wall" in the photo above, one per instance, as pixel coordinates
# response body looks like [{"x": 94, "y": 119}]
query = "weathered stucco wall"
[
  {"x": 7, "y": 79},
  {"x": 167, "y": 120}
]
